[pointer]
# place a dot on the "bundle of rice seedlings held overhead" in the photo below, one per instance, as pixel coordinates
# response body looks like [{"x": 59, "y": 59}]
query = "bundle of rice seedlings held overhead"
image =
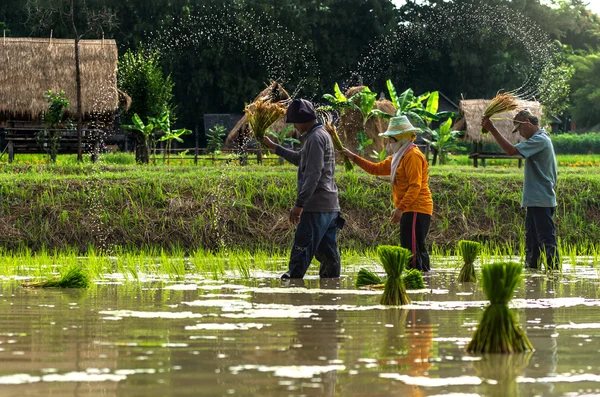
[
  {"x": 366, "y": 277},
  {"x": 394, "y": 260},
  {"x": 337, "y": 143},
  {"x": 413, "y": 279},
  {"x": 501, "y": 103},
  {"x": 262, "y": 114},
  {"x": 73, "y": 277},
  {"x": 499, "y": 330},
  {"x": 469, "y": 250}
]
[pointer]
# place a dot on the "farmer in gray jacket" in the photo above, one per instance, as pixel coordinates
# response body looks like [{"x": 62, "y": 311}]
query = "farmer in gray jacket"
[{"x": 316, "y": 211}]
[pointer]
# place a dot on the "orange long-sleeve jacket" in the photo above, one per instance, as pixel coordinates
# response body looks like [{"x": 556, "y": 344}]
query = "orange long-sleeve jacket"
[{"x": 411, "y": 187}]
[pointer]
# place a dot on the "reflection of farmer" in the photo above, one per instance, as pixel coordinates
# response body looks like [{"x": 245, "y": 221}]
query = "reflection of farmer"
[
  {"x": 316, "y": 211},
  {"x": 409, "y": 174},
  {"x": 539, "y": 185},
  {"x": 317, "y": 340}
]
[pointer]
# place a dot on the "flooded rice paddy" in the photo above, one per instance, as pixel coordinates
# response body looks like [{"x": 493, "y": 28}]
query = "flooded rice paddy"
[{"x": 264, "y": 337}]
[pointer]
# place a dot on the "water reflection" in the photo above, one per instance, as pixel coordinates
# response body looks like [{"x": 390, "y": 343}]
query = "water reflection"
[
  {"x": 499, "y": 373},
  {"x": 316, "y": 341}
]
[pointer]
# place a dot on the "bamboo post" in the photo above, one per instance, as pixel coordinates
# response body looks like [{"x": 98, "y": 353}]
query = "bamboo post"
[
  {"x": 11, "y": 151},
  {"x": 50, "y": 42},
  {"x": 4, "y": 36},
  {"x": 197, "y": 139}
]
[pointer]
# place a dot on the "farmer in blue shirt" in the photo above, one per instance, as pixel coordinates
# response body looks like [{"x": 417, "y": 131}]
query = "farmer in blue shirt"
[{"x": 539, "y": 195}]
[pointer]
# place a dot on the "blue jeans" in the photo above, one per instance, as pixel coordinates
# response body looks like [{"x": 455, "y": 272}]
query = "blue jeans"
[
  {"x": 316, "y": 236},
  {"x": 540, "y": 237}
]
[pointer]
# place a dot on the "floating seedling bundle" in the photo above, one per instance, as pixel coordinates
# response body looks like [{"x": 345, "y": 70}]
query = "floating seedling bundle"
[
  {"x": 262, "y": 114},
  {"x": 73, "y": 277},
  {"x": 337, "y": 143},
  {"x": 499, "y": 330},
  {"x": 469, "y": 250},
  {"x": 394, "y": 260},
  {"x": 366, "y": 277},
  {"x": 501, "y": 103},
  {"x": 413, "y": 279}
]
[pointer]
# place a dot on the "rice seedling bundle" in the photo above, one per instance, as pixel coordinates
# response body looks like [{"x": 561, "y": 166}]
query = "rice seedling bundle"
[
  {"x": 366, "y": 277},
  {"x": 394, "y": 260},
  {"x": 73, "y": 277},
  {"x": 262, "y": 114},
  {"x": 501, "y": 103},
  {"x": 413, "y": 279},
  {"x": 499, "y": 330},
  {"x": 469, "y": 250},
  {"x": 337, "y": 143}
]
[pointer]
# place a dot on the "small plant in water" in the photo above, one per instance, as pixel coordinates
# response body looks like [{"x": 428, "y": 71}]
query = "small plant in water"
[
  {"x": 73, "y": 277},
  {"x": 394, "y": 260},
  {"x": 499, "y": 330},
  {"x": 469, "y": 250},
  {"x": 413, "y": 279},
  {"x": 366, "y": 277}
]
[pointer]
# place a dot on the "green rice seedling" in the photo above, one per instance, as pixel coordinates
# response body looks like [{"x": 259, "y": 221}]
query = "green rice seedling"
[
  {"x": 367, "y": 277},
  {"x": 413, "y": 279},
  {"x": 469, "y": 250},
  {"x": 394, "y": 260},
  {"x": 499, "y": 330},
  {"x": 243, "y": 268},
  {"x": 73, "y": 277}
]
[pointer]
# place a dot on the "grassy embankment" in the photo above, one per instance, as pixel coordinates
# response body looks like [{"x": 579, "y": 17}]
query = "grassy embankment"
[{"x": 112, "y": 207}]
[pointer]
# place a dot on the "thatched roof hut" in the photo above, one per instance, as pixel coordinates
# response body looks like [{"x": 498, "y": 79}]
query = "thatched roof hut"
[
  {"x": 351, "y": 123},
  {"x": 29, "y": 67},
  {"x": 472, "y": 111},
  {"x": 241, "y": 132}
]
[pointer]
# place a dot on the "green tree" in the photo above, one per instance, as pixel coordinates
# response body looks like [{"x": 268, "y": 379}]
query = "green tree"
[
  {"x": 585, "y": 90},
  {"x": 54, "y": 119},
  {"x": 444, "y": 141},
  {"x": 142, "y": 150},
  {"x": 141, "y": 77}
]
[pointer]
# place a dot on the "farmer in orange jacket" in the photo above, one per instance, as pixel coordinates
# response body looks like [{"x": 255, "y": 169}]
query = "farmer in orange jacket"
[{"x": 409, "y": 175}]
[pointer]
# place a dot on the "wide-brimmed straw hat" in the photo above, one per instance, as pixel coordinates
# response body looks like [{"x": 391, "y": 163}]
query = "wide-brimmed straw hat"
[{"x": 400, "y": 125}]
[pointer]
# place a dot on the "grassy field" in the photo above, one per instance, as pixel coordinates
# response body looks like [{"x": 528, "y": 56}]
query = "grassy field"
[
  {"x": 70, "y": 206},
  {"x": 120, "y": 158}
]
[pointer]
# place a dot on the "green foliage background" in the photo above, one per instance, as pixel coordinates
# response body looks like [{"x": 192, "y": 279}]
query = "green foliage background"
[{"x": 331, "y": 37}]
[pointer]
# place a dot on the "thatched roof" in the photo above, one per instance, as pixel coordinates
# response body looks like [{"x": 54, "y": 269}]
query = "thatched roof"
[
  {"x": 241, "y": 131},
  {"x": 472, "y": 111},
  {"x": 29, "y": 67},
  {"x": 351, "y": 122}
]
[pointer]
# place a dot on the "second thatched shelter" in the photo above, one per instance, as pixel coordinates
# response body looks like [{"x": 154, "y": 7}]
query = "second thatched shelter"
[{"x": 472, "y": 111}]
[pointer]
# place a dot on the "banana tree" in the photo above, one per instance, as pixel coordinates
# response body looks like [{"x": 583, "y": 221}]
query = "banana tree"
[
  {"x": 364, "y": 101},
  {"x": 407, "y": 104},
  {"x": 337, "y": 102},
  {"x": 163, "y": 123},
  {"x": 443, "y": 141},
  {"x": 145, "y": 132}
]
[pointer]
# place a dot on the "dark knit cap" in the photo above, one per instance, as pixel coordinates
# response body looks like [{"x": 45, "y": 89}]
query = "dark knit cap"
[{"x": 300, "y": 111}]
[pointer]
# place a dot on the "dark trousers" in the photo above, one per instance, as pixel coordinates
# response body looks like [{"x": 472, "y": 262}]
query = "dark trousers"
[
  {"x": 316, "y": 236},
  {"x": 540, "y": 237},
  {"x": 414, "y": 227}
]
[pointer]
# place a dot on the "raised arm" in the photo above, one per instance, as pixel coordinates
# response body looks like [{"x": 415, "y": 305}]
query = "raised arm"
[{"x": 508, "y": 147}]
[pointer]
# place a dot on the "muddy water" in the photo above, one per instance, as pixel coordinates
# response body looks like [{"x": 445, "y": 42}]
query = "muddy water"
[{"x": 265, "y": 338}]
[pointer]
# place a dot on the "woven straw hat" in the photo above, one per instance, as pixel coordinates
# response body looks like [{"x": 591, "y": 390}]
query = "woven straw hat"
[{"x": 400, "y": 126}]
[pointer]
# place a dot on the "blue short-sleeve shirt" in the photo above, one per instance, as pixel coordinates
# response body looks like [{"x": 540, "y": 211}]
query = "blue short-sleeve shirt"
[{"x": 540, "y": 171}]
